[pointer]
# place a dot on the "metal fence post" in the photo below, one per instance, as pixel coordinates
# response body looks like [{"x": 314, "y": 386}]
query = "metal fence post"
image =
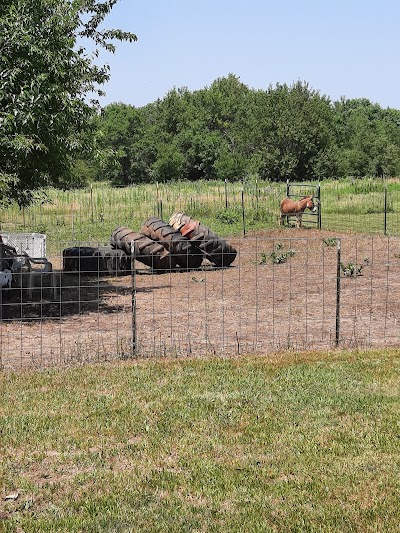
[
  {"x": 337, "y": 325},
  {"x": 385, "y": 208},
  {"x": 257, "y": 198},
  {"x": 319, "y": 206},
  {"x": 133, "y": 294},
  {"x": 91, "y": 202},
  {"x": 243, "y": 214}
]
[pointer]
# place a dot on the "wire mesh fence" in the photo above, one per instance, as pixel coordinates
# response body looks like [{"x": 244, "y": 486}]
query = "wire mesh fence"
[
  {"x": 299, "y": 292},
  {"x": 91, "y": 214}
]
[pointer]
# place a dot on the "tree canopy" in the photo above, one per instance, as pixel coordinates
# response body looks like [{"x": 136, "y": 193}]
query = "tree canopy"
[
  {"x": 52, "y": 133},
  {"x": 46, "y": 75},
  {"x": 228, "y": 131}
]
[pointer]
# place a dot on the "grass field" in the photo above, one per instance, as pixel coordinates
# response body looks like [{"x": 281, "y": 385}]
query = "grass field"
[
  {"x": 91, "y": 214},
  {"x": 297, "y": 442}
]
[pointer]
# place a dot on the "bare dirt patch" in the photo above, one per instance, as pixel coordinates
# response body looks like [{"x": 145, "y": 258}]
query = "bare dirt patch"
[{"x": 254, "y": 306}]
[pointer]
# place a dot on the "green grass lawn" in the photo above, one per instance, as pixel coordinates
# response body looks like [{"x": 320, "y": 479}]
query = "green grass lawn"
[{"x": 296, "y": 442}]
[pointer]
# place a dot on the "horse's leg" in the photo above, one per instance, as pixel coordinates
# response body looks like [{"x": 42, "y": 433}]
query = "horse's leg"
[
  {"x": 282, "y": 219},
  {"x": 299, "y": 220}
]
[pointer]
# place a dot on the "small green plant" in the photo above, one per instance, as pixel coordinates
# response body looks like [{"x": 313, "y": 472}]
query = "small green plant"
[
  {"x": 330, "y": 241},
  {"x": 264, "y": 259},
  {"x": 351, "y": 270},
  {"x": 278, "y": 256}
]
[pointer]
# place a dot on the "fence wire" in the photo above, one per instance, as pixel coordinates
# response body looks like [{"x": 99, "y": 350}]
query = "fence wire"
[
  {"x": 280, "y": 293},
  {"x": 90, "y": 214}
]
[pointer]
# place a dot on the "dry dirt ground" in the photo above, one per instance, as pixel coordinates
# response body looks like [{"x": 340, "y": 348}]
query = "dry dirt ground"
[{"x": 254, "y": 306}]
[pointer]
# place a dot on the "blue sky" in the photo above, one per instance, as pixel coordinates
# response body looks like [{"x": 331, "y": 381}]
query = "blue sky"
[{"x": 340, "y": 47}]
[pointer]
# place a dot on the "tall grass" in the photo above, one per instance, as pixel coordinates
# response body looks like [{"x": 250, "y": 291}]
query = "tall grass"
[{"x": 91, "y": 214}]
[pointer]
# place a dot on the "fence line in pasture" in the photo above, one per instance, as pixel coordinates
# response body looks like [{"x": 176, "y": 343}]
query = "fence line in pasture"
[
  {"x": 232, "y": 208},
  {"x": 296, "y": 292}
]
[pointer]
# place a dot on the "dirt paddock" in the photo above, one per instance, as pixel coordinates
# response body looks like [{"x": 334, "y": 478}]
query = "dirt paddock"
[{"x": 268, "y": 300}]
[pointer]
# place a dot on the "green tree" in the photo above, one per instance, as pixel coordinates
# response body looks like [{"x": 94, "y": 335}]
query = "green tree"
[
  {"x": 46, "y": 76},
  {"x": 368, "y": 138},
  {"x": 228, "y": 131},
  {"x": 224, "y": 114},
  {"x": 296, "y": 130},
  {"x": 118, "y": 127},
  {"x": 169, "y": 163}
]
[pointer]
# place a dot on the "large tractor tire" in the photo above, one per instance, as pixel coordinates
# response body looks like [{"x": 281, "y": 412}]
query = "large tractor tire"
[
  {"x": 214, "y": 248},
  {"x": 184, "y": 252},
  {"x": 97, "y": 260},
  {"x": 147, "y": 251}
]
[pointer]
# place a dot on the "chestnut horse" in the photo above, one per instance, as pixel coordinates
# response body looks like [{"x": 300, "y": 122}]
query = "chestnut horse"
[{"x": 297, "y": 208}]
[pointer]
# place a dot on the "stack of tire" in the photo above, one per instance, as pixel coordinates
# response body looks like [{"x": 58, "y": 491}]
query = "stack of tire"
[
  {"x": 213, "y": 247},
  {"x": 157, "y": 245},
  {"x": 181, "y": 243}
]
